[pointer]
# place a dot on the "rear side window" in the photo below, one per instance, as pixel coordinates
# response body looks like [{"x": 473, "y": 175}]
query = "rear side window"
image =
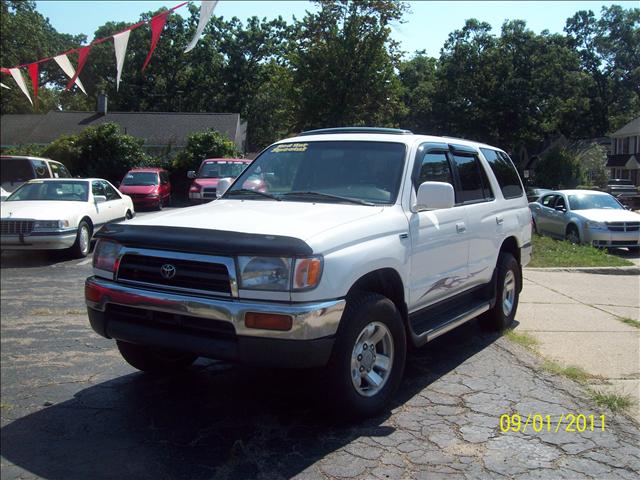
[
  {"x": 19, "y": 170},
  {"x": 40, "y": 167},
  {"x": 471, "y": 185},
  {"x": 505, "y": 173},
  {"x": 59, "y": 171}
]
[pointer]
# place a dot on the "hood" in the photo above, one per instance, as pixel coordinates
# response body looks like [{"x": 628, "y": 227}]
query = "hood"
[
  {"x": 42, "y": 209},
  {"x": 608, "y": 215},
  {"x": 311, "y": 222},
  {"x": 206, "y": 182},
  {"x": 138, "y": 189}
]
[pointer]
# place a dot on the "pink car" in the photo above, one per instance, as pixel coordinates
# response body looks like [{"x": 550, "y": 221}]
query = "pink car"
[{"x": 205, "y": 181}]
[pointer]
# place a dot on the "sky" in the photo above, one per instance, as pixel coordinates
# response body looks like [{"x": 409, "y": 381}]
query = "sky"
[{"x": 426, "y": 27}]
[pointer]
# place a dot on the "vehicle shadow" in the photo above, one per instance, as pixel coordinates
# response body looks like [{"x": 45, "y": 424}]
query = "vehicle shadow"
[
  {"x": 214, "y": 421},
  {"x": 32, "y": 258}
]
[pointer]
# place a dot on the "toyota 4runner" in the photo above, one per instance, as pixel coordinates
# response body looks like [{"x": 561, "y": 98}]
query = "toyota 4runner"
[{"x": 361, "y": 242}]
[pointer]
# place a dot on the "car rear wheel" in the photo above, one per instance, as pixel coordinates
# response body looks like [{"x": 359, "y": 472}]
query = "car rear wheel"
[
  {"x": 154, "y": 360},
  {"x": 367, "y": 361},
  {"x": 82, "y": 245}
]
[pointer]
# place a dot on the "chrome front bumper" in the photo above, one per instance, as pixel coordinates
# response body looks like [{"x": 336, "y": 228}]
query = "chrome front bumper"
[
  {"x": 310, "y": 320},
  {"x": 607, "y": 238},
  {"x": 51, "y": 241}
]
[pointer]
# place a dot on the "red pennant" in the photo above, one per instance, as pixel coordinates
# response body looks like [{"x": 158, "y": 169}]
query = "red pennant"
[
  {"x": 157, "y": 24},
  {"x": 83, "y": 53},
  {"x": 33, "y": 73},
  {"x": 5, "y": 70}
]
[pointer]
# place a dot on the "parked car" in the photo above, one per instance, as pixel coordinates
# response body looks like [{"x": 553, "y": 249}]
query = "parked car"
[
  {"x": 364, "y": 241},
  {"x": 205, "y": 181},
  {"x": 625, "y": 191},
  {"x": 147, "y": 187},
  {"x": 533, "y": 193},
  {"x": 586, "y": 216},
  {"x": 17, "y": 170},
  {"x": 55, "y": 214}
]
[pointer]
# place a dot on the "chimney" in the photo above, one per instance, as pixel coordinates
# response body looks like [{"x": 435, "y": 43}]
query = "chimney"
[{"x": 102, "y": 103}]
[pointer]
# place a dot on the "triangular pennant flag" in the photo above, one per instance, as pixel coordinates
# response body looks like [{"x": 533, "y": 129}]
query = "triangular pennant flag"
[
  {"x": 120, "y": 42},
  {"x": 82, "y": 59},
  {"x": 4, "y": 86},
  {"x": 157, "y": 24},
  {"x": 206, "y": 11},
  {"x": 33, "y": 73},
  {"x": 65, "y": 65},
  {"x": 4, "y": 70},
  {"x": 17, "y": 76}
]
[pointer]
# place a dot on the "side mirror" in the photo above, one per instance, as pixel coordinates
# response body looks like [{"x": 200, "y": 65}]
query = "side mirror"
[
  {"x": 99, "y": 198},
  {"x": 192, "y": 174},
  {"x": 434, "y": 196},
  {"x": 223, "y": 186}
]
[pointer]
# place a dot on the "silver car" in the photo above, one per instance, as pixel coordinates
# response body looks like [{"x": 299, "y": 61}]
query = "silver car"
[{"x": 586, "y": 216}]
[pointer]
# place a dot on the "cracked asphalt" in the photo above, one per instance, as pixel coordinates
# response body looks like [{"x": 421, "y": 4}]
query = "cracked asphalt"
[{"x": 73, "y": 409}]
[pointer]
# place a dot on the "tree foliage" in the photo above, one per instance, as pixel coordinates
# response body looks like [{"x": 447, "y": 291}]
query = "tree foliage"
[
  {"x": 558, "y": 168},
  {"x": 201, "y": 145}
]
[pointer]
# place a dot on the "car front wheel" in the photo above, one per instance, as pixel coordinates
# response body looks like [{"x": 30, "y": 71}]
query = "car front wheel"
[
  {"x": 368, "y": 357},
  {"x": 82, "y": 244}
]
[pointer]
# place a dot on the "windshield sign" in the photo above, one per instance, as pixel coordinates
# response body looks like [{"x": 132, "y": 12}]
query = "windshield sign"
[
  {"x": 587, "y": 202},
  {"x": 65, "y": 191},
  {"x": 140, "y": 179},
  {"x": 333, "y": 171}
]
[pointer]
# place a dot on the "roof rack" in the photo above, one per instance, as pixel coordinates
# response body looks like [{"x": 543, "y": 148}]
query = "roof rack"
[{"x": 328, "y": 131}]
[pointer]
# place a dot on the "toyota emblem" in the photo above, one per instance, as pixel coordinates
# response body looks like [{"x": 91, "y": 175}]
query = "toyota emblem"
[{"x": 168, "y": 271}]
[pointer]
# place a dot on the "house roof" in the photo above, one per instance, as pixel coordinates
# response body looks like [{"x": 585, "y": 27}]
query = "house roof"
[
  {"x": 621, "y": 161},
  {"x": 156, "y": 128},
  {"x": 631, "y": 128}
]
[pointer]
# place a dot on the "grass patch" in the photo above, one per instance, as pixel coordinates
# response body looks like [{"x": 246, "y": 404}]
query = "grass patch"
[
  {"x": 613, "y": 401},
  {"x": 548, "y": 252},
  {"x": 630, "y": 321},
  {"x": 573, "y": 372},
  {"x": 523, "y": 339}
]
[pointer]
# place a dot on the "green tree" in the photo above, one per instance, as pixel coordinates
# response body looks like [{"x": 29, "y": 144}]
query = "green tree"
[
  {"x": 418, "y": 78},
  {"x": 558, "y": 168},
  {"x": 201, "y": 145},
  {"x": 65, "y": 149}
]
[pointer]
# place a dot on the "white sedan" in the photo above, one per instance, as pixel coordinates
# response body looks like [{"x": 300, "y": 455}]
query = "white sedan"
[{"x": 55, "y": 214}]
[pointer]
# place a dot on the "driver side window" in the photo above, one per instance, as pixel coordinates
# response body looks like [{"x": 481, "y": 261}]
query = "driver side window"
[{"x": 434, "y": 168}]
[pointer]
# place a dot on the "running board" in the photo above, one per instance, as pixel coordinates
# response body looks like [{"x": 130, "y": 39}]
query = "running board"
[{"x": 449, "y": 325}]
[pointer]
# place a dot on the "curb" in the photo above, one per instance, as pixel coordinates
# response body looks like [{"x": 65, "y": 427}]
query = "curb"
[{"x": 632, "y": 270}]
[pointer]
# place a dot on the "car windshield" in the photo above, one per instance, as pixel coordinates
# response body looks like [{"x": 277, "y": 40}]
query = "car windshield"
[
  {"x": 327, "y": 171},
  {"x": 140, "y": 179},
  {"x": 221, "y": 169},
  {"x": 69, "y": 191},
  {"x": 589, "y": 201}
]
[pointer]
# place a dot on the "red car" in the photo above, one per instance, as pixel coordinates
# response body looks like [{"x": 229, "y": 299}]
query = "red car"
[
  {"x": 205, "y": 181},
  {"x": 147, "y": 187}
]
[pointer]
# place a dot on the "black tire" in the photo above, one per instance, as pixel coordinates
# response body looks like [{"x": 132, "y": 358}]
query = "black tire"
[
  {"x": 80, "y": 248},
  {"x": 154, "y": 360},
  {"x": 497, "y": 319},
  {"x": 160, "y": 205},
  {"x": 169, "y": 201},
  {"x": 572, "y": 235},
  {"x": 128, "y": 215},
  {"x": 363, "y": 309}
]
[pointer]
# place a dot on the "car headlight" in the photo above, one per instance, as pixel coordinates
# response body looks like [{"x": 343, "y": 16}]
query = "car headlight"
[
  {"x": 279, "y": 273},
  {"x": 152, "y": 195},
  {"x": 50, "y": 224},
  {"x": 596, "y": 225},
  {"x": 106, "y": 256}
]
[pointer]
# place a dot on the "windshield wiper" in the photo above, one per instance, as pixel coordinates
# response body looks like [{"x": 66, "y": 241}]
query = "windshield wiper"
[
  {"x": 256, "y": 192},
  {"x": 329, "y": 195}
]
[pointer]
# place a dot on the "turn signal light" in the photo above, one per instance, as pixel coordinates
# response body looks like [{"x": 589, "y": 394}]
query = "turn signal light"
[
  {"x": 307, "y": 273},
  {"x": 268, "y": 321}
]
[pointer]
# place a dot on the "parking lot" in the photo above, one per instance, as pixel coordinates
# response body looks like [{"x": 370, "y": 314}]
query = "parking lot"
[{"x": 73, "y": 409}]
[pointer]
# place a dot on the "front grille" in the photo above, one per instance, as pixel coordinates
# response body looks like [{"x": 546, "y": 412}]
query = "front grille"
[
  {"x": 188, "y": 274},
  {"x": 170, "y": 321},
  {"x": 15, "y": 227},
  {"x": 623, "y": 226},
  {"x": 209, "y": 192}
]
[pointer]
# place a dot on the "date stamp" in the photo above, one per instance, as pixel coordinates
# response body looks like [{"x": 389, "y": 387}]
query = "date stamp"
[{"x": 567, "y": 422}]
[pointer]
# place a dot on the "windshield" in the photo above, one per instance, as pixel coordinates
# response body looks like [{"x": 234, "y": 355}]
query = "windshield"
[
  {"x": 331, "y": 171},
  {"x": 586, "y": 202},
  {"x": 69, "y": 191},
  {"x": 221, "y": 169},
  {"x": 140, "y": 178}
]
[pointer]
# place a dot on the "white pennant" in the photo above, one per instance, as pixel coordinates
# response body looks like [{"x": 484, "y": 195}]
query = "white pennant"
[
  {"x": 206, "y": 11},
  {"x": 4, "y": 86},
  {"x": 120, "y": 42},
  {"x": 17, "y": 76},
  {"x": 65, "y": 65}
]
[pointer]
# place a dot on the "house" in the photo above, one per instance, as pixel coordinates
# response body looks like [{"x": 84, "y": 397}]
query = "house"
[
  {"x": 624, "y": 160},
  {"x": 162, "y": 132}
]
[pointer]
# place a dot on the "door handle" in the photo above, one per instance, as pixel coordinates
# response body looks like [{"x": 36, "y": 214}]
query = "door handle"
[
  {"x": 499, "y": 220},
  {"x": 461, "y": 227}
]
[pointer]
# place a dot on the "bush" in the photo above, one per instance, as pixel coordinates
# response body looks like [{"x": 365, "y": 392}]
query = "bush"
[
  {"x": 558, "y": 168},
  {"x": 64, "y": 149},
  {"x": 30, "y": 150},
  {"x": 201, "y": 145}
]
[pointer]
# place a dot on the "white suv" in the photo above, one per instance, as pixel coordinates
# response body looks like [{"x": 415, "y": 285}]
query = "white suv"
[{"x": 361, "y": 241}]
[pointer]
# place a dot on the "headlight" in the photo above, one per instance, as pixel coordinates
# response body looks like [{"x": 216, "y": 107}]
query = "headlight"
[
  {"x": 194, "y": 189},
  {"x": 265, "y": 273},
  {"x": 279, "y": 273},
  {"x": 152, "y": 195},
  {"x": 50, "y": 224},
  {"x": 596, "y": 225},
  {"x": 106, "y": 255}
]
